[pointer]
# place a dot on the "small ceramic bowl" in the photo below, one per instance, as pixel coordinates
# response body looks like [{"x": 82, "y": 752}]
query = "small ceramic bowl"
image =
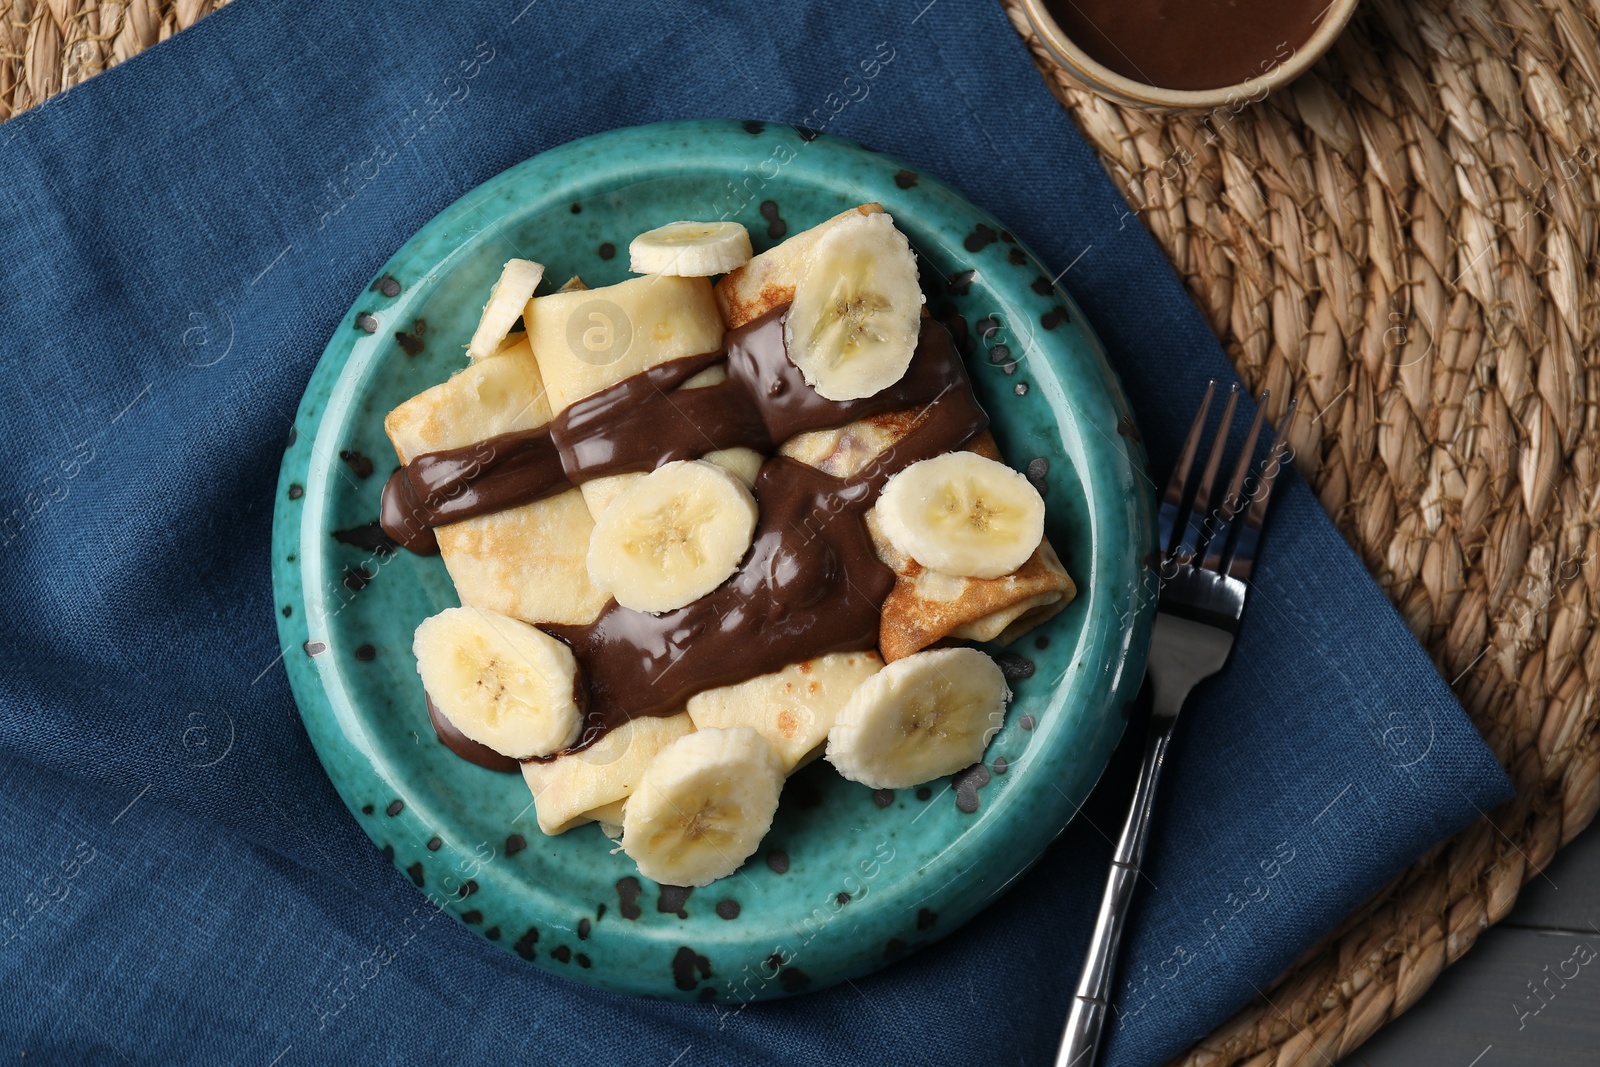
[{"x": 1097, "y": 78}]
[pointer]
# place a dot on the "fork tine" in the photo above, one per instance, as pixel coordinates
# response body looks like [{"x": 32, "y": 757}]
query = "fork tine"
[
  {"x": 1177, "y": 495},
  {"x": 1201, "y": 521},
  {"x": 1233, "y": 499},
  {"x": 1239, "y": 560}
]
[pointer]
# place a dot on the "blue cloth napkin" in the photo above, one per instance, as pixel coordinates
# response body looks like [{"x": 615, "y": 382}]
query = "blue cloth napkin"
[{"x": 179, "y": 237}]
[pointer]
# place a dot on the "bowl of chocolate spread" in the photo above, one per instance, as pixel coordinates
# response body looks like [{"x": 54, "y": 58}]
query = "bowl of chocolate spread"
[{"x": 1186, "y": 54}]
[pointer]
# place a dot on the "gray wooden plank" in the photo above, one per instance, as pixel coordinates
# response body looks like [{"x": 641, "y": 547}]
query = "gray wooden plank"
[
  {"x": 1521, "y": 998},
  {"x": 1567, "y": 895}
]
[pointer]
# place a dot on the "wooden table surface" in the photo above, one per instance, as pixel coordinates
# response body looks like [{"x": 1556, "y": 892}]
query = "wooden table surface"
[{"x": 1527, "y": 995}]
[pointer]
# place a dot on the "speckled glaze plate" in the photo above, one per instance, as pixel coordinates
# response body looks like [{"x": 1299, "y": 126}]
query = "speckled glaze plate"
[{"x": 848, "y": 880}]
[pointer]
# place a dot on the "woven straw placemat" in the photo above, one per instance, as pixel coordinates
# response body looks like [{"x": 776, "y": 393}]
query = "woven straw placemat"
[{"x": 1405, "y": 239}]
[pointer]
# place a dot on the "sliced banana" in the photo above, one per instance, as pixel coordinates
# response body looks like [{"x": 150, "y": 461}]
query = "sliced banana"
[
  {"x": 852, "y": 327},
  {"x": 501, "y": 682},
  {"x": 672, "y": 536},
  {"x": 703, "y": 806},
  {"x": 690, "y": 249},
  {"x": 793, "y": 708},
  {"x": 919, "y": 718},
  {"x": 963, "y": 515},
  {"x": 518, "y": 279}
]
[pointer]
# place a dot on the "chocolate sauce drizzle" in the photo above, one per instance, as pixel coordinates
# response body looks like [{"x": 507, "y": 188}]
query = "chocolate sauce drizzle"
[
  {"x": 812, "y": 582},
  {"x": 759, "y": 360},
  {"x": 439, "y": 488},
  {"x": 640, "y": 423}
]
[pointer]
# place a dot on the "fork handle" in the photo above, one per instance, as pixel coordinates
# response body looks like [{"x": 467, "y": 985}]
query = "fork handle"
[{"x": 1080, "y": 1042}]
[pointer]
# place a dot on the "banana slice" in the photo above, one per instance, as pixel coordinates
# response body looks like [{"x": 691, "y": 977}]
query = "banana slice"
[
  {"x": 919, "y": 718},
  {"x": 963, "y": 515},
  {"x": 518, "y": 279},
  {"x": 501, "y": 682},
  {"x": 690, "y": 249},
  {"x": 852, "y": 327},
  {"x": 703, "y": 806},
  {"x": 672, "y": 536}
]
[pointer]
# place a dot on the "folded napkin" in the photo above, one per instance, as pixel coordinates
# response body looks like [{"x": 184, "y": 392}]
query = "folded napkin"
[{"x": 180, "y": 236}]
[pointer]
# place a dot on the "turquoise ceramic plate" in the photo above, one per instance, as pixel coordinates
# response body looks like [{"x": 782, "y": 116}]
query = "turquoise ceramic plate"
[{"x": 846, "y": 881}]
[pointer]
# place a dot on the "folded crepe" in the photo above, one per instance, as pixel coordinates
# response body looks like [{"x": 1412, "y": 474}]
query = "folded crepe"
[
  {"x": 527, "y": 561},
  {"x": 591, "y": 785},
  {"x": 587, "y": 340}
]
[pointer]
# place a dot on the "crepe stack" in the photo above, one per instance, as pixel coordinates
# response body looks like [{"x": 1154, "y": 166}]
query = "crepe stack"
[{"x": 529, "y": 562}]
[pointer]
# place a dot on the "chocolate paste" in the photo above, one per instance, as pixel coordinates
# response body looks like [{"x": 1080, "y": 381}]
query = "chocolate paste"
[
  {"x": 404, "y": 518},
  {"x": 758, "y": 358},
  {"x": 1189, "y": 44},
  {"x": 641, "y": 423},
  {"x": 438, "y": 488}
]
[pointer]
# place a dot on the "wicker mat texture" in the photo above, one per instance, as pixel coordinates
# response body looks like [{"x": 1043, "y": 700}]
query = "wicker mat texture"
[{"x": 1406, "y": 240}]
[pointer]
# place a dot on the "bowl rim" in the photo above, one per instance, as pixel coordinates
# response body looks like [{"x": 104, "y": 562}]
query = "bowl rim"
[{"x": 1104, "y": 81}]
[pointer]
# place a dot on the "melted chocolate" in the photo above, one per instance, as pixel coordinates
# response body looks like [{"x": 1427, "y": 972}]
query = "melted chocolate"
[
  {"x": 437, "y": 488},
  {"x": 811, "y": 584},
  {"x": 503, "y": 472},
  {"x": 404, "y": 517},
  {"x": 758, "y": 358},
  {"x": 640, "y": 423},
  {"x": 464, "y": 746},
  {"x": 1189, "y": 44}
]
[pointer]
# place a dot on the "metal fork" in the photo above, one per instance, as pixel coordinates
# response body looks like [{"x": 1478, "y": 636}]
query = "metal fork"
[{"x": 1207, "y": 554}]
